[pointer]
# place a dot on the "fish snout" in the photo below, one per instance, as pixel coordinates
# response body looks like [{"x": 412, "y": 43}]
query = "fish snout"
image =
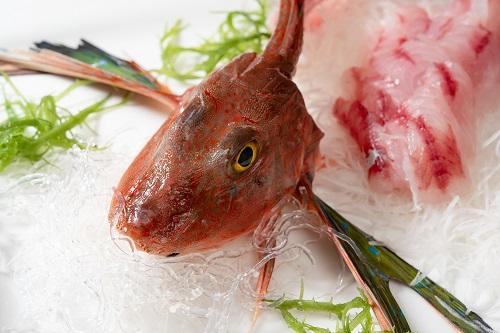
[
  {"x": 140, "y": 222},
  {"x": 156, "y": 226}
]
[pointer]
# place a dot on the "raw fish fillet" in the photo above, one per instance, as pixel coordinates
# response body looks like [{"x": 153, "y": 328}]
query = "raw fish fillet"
[
  {"x": 408, "y": 83},
  {"x": 412, "y": 107}
]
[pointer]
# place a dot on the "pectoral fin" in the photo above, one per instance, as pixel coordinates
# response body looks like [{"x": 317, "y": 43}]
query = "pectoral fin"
[
  {"x": 374, "y": 265},
  {"x": 88, "y": 62}
]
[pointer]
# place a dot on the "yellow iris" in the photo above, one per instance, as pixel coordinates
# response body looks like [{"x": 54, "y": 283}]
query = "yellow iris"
[{"x": 246, "y": 157}]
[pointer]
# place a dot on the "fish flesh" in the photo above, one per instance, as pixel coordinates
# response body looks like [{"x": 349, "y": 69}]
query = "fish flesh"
[{"x": 412, "y": 101}]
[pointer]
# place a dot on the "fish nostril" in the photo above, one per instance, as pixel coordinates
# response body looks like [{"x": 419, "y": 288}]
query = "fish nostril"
[
  {"x": 142, "y": 216},
  {"x": 173, "y": 254}
]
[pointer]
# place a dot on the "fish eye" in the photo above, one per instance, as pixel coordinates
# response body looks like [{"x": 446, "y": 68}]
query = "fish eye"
[{"x": 245, "y": 157}]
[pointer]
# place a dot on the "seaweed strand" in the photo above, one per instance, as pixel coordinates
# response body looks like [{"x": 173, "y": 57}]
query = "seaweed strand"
[
  {"x": 30, "y": 130},
  {"x": 241, "y": 31}
]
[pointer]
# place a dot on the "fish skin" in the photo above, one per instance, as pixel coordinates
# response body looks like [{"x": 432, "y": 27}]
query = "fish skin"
[{"x": 181, "y": 195}]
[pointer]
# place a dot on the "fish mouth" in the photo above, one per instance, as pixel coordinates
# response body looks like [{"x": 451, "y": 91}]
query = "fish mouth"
[
  {"x": 118, "y": 209},
  {"x": 137, "y": 227},
  {"x": 134, "y": 242}
]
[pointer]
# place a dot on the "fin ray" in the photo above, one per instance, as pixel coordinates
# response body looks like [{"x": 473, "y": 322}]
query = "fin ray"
[
  {"x": 89, "y": 62},
  {"x": 376, "y": 263}
]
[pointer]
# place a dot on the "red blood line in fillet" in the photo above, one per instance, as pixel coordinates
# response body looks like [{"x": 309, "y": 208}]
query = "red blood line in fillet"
[{"x": 450, "y": 85}]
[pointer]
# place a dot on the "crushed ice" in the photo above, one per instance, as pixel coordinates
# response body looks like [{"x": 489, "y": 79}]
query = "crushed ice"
[{"x": 73, "y": 275}]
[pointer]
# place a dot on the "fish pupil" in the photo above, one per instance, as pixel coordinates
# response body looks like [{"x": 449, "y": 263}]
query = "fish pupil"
[{"x": 245, "y": 157}]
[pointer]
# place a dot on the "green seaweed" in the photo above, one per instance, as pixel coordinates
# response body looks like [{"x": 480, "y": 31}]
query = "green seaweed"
[
  {"x": 241, "y": 31},
  {"x": 30, "y": 130},
  {"x": 352, "y": 316}
]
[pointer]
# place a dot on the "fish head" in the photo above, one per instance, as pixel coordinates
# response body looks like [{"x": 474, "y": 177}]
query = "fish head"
[{"x": 215, "y": 170}]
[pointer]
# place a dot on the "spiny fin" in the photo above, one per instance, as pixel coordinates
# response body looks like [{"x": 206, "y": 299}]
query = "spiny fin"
[
  {"x": 94, "y": 56},
  {"x": 11, "y": 69},
  {"x": 375, "y": 263},
  {"x": 370, "y": 279},
  {"x": 89, "y": 62},
  {"x": 265, "y": 274},
  {"x": 284, "y": 47}
]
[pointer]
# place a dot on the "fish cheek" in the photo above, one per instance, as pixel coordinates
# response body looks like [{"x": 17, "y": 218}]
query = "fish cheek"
[
  {"x": 255, "y": 196},
  {"x": 237, "y": 208},
  {"x": 259, "y": 181}
]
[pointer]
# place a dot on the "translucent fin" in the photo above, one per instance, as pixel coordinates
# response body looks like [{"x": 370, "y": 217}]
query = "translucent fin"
[
  {"x": 94, "y": 56},
  {"x": 11, "y": 69},
  {"x": 376, "y": 265},
  {"x": 265, "y": 274},
  {"x": 89, "y": 62}
]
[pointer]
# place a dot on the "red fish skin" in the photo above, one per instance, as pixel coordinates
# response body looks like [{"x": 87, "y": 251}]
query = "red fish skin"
[
  {"x": 181, "y": 193},
  {"x": 412, "y": 107}
]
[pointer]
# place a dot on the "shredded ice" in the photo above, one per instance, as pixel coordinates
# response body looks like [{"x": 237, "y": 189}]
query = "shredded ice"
[{"x": 74, "y": 274}]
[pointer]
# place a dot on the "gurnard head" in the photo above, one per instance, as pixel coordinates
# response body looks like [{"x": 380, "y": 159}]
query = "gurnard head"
[{"x": 242, "y": 141}]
